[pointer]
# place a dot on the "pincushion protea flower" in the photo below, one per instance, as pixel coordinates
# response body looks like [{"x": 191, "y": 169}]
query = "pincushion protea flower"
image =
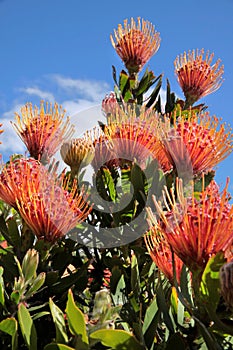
[
  {"x": 196, "y": 76},
  {"x": 42, "y": 130},
  {"x": 196, "y": 229},
  {"x": 104, "y": 154},
  {"x": 77, "y": 152},
  {"x": 14, "y": 174},
  {"x": 50, "y": 210},
  {"x": 198, "y": 141},
  {"x": 136, "y": 135},
  {"x": 135, "y": 43},
  {"x": 161, "y": 254},
  {"x": 42, "y": 200}
]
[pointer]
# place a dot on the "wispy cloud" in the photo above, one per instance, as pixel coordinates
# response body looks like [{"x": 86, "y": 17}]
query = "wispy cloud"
[
  {"x": 89, "y": 89},
  {"x": 44, "y": 95},
  {"x": 11, "y": 142}
]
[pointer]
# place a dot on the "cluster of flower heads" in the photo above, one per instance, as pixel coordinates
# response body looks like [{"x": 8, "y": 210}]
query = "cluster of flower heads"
[
  {"x": 192, "y": 226},
  {"x": 188, "y": 228},
  {"x": 43, "y": 199}
]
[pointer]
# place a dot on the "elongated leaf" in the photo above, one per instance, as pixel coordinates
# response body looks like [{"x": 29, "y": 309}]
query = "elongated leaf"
[
  {"x": 117, "y": 339},
  {"x": 37, "y": 283},
  {"x": 135, "y": 279},
  {"x": 185, "y": 284},
  {"x": 76, "y": 319},
  {"x": 155, "y": 92},
  {"x": 10, "y": 326},
  {"x": 27, "y": 327},
  {"x": 164, "y": 309},
  {"x": 4, "y": 230},
  {"x": 210, "y": 281},
  {"x": 13, "y": 229},
  {"x": 59, "y": 321},
  {"x": 152, "y": 317},
  {"x": 53, "y": 346},
  {"x": 114, "y": 75}
]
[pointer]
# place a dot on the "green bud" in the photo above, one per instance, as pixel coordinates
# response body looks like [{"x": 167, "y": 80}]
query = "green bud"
[{"x": 30, "y": 264}]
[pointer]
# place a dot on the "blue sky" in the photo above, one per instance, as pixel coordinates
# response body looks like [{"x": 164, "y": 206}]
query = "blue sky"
[{"x": 60, "y": 51}]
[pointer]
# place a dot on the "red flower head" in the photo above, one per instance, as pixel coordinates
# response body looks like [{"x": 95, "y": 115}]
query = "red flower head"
[
  {"x": 198, "y": 142},
  {"x": 42, "y": 201},
  {"x": 135, "y": 135},
  {"x": 196, "y": 76},
  {"x": 49, "y": 209},
  {"x": 15, "y": 175},
  {"x": 196, "y": 229},
  {"x": 42, "y": 131},
  {"x": 135, "y": 43},
  {"x": 161, "y": 254}
]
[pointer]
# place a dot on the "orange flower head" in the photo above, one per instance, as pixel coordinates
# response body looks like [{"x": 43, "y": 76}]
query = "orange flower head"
[
  {"x": 14, "y": 175},
  {"x": 42, "y": 130},
  {"x": 135, "y": 136},
  {"x": 135, "y": 43},
  {"x": 196, "y": 229},
  {"x": 196, "y": 76},
  {"x": 161, "y": 254},
  {"x": 77, "y": 152},
  {"x": 49, "y": 209},
  {"x": 198, "y": 142},
  {"x": 104, "y": 154}
]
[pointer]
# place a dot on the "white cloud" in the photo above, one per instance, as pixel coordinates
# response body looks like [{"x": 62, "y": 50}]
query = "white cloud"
[
  {"x": 11, "y": 142},
  {"x": 45, "y": 95},
  {"x": 89, "y": 89}
]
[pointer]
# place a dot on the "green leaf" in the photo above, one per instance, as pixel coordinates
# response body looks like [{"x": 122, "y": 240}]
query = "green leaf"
[
  {"x": 118, "y": 293},
  {"x": 155, "y": 92},
  {"x": 152, "y": 317},
  {"x": 53, "y": 346},
  {"x": 170, "y": 103},
  {"x": 13, "y": 229},
  {"x": 10, "y": 326},
  {"x": 2, "y": 289},
  {"x": 36, "y": 284},
  {"x": 27, "y": 327},
  {"x": 59, "y": 321},
  {"x": 163, "y": 307},
  {"x": 114, "y": 75},
  {"x": 147, "y": 80},
  {"x": 123, "y": 81},
  {"x": 135, "y": 279},
  {"x": 76, "y": 319},
  {"x": 4, "y": 230},
  {"x": 210, "y": 283},
  {"x": 186, "y": 285},
  {"x": 40, "y": 314},
  {"x": 117, "y": 339}
]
